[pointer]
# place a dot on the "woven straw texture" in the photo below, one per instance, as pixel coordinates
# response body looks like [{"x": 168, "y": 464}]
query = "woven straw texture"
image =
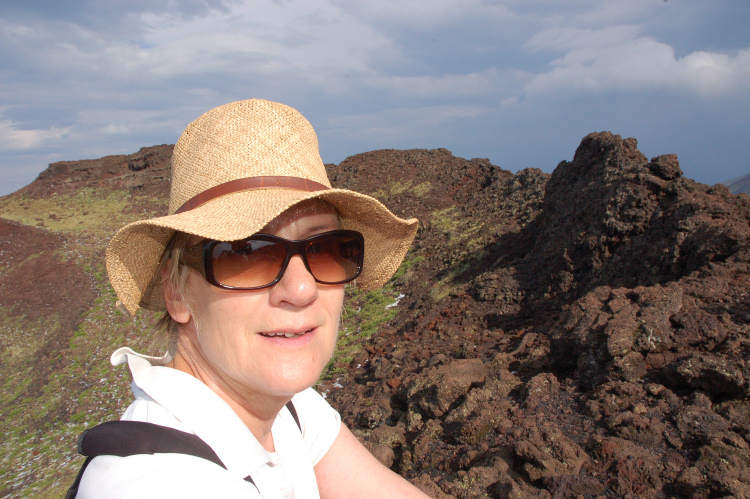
[{"x": 239, "y": 140}]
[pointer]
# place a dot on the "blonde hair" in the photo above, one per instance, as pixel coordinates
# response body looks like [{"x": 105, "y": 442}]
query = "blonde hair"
[{"x": 174, "y": 275}]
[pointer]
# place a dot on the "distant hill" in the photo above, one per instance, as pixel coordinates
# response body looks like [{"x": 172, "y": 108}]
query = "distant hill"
[
  {"x": 584, "y": 333},
  {"x": 739, "y": 185}
]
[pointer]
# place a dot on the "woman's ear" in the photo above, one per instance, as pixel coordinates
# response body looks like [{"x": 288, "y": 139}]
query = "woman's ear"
[{"x": 175, "y": 302}]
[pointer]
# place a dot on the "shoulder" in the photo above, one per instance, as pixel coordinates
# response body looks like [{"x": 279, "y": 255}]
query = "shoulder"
[
  {"x": 312, "y": 399},
  {"x": 320, "y": 423},
  {"x": 314, "y": 411},
  {"x": 160, "y": 475}
]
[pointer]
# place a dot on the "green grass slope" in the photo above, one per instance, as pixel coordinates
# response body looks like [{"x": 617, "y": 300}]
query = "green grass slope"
[{"x": 58, "y": 326}]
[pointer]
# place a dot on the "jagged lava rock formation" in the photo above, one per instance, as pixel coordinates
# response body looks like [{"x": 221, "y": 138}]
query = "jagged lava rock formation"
[{"x": 582, "y": 334}]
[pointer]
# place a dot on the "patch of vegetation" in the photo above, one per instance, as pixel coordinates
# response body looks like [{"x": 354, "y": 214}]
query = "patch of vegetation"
[
  {"x": 423, "y": 189},
  {"x": 20, "y": 338},
  {"x": 446, "y": 220},
  {"x": 447, "y": 281},
  {"x": 397, "y": 187},
  {"x": 466, "y": 238},
  {"x": 88, "y": 210},
  {"x": 364, "y": 313},
  {"x": 410, "y": 261},
  {"x": 464, "y": 232}
]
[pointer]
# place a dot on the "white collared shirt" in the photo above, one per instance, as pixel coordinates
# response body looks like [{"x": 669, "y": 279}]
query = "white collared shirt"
[{"x": 172, "y": 398}]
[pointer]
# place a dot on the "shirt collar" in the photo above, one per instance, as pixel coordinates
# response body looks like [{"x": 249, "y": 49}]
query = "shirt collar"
[{"x": 198, "y": 408}]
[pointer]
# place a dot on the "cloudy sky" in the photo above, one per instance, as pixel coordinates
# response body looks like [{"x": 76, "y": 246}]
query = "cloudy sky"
[{"x": 519, "y": 81}]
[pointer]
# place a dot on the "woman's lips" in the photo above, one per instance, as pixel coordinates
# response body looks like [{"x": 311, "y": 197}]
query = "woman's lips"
[{"x": 286, "y": 334}]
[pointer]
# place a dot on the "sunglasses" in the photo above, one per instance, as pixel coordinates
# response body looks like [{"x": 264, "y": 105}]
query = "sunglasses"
[{"x": 260, "y": 261}]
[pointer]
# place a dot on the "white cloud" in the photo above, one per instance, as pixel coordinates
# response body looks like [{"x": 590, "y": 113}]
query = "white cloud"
[
  {"x": 422, "y": 15},
  {"x": 14, "y": 139},
  {"x": 115, "y": 129},
  {"x": 711, "y": 73},
  {"x": 620, "y": 59},
  {"x": 264, "y": 39}
]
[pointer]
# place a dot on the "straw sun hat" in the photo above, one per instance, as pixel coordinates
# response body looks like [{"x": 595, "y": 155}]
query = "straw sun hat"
[{"x": 234, "y": 169}]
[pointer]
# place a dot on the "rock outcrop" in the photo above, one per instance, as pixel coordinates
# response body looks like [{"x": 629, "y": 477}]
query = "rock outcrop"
[{"x": 589, "y": 336}]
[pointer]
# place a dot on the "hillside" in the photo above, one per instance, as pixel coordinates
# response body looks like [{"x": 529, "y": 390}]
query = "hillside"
[
  {"x": 740, "y": 185},
  {"x": 578, "y": 334}
]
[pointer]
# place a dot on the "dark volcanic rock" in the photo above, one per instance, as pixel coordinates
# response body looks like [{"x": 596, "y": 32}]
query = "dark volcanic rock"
[
  {"x": 609, "y": 305},
  {"x": 147, "y": 172}
]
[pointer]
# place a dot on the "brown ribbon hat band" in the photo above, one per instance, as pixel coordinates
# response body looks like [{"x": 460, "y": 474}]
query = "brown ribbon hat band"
[{"x": 248, "y": 183}]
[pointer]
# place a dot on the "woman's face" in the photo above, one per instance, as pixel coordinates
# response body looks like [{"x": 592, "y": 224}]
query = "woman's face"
[{"x": 273, "y": 341}]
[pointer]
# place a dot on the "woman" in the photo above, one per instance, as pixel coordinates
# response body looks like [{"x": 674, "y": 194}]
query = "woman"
[{"x": 249, "y": 267}]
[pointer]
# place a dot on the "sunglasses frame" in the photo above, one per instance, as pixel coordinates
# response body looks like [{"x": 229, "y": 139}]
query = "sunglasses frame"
[{"x": 203, "y": 261}]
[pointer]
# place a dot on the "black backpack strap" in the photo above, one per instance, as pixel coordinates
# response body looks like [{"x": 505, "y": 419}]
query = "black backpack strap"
[
  {"x": 73, "y": 490},
  {"x": 291, "y": 408},
  {"x": 127, "y": 438}
]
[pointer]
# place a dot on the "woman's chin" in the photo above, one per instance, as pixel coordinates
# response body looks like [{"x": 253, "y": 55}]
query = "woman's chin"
[{"x": 292, "y": 382}]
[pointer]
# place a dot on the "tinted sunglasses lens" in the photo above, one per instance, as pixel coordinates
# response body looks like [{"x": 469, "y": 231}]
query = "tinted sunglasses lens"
[
  {"x": 247, "y": 264},
  {"x": 334, "y": 258}
]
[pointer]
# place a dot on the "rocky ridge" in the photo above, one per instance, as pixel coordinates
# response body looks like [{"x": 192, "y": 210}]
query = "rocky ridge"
[{"x": 592, "y": 339}]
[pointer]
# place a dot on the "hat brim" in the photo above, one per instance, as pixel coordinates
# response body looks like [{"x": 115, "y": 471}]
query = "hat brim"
[{"x": 134, "y": 253}]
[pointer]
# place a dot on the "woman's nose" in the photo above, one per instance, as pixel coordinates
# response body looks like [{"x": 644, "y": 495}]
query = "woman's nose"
[{"x": 297, "y": 286}]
